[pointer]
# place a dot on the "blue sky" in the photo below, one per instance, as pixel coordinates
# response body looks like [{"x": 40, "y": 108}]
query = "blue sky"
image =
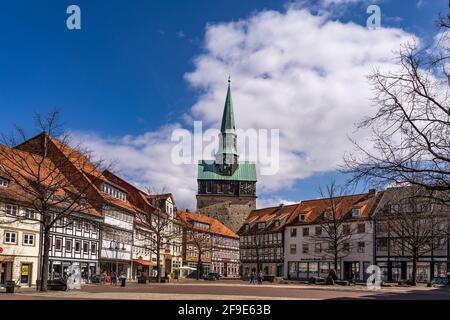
[{"x": 126, "y": 73}]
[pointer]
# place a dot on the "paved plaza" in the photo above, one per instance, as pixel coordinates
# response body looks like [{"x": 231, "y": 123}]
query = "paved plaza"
[{"x": 236, "y": 290}]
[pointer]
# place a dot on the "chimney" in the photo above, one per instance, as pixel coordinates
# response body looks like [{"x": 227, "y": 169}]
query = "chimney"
[
  {"x": 372, "y": 192},
  {"x": 281, "y": 206}
]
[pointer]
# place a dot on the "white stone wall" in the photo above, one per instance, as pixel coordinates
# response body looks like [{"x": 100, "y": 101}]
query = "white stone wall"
[
  {"x": 20, "y": 253},
  {"x": 353, "y": 255}
]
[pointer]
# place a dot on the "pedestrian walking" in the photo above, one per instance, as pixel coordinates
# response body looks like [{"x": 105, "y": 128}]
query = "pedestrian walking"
[
  {"x": 260, "y": 277},
  {"x": 113, "y": 278},
  {"x": 253, "y": 278}
]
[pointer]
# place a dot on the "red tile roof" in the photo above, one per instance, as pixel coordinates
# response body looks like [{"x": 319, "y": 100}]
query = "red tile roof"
[
  {"x": 314, "y": 209},
  {"x": 216, "y": 227},
  {"x": 280, "y": 213}
]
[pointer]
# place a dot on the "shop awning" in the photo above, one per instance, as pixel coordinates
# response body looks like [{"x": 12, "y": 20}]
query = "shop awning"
[{"x": 145, "y": 262}]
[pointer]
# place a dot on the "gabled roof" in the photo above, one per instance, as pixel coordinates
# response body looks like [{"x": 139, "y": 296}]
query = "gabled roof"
[
  {"x": 81, "y": 167},
  {"x": 216, "y": 227},
  {"x": 28, "y": 166},
  {"x": 268, "y": 215},
  {"x": 314, "y": 210}
]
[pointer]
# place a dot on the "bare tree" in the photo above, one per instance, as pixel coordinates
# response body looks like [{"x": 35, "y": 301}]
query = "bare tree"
[
  {"x": 335, "y": 229},
  {"x": 46, "y": 174},
  {"x": 201, "y": 240},
  {"x": 411, "y": 125},
  {"x": 164, "y": 229},
  {"x": 415, "y": 225}
]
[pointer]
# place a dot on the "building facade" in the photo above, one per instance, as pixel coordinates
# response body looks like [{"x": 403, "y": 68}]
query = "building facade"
[
  {"x": 262, "y": 240},
  {"x": 75, "y": 240},
  {"x": 403, "y": 217},
  {"x": 19, "y": 240},
  {"x": 218, "y": 244},
  {"x": 309, "y": 236},
  {"x": 225, "y": 255},
  {"x": 227, "y": 186}
]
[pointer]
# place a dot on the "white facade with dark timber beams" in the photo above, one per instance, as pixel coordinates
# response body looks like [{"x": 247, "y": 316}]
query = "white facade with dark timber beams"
[{"x": 75, "y": 240}]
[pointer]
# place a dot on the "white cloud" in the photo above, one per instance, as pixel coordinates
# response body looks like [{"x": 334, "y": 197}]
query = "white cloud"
[
  {"x": 273, "y": 202},
  {"x": 145, "y": 161},
  {"x": 294, "y": 71},
  {"x": 297, "y": 72}
]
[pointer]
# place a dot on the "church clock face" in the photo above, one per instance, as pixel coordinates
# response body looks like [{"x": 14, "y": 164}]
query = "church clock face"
[{"x": 247, "y": 188}]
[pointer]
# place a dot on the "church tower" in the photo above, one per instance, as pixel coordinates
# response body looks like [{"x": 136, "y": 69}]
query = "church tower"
[{"x": 227, "y": 186}]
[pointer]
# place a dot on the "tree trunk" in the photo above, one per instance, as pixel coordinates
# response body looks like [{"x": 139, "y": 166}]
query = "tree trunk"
[
  {"x": 414, "y": 270},
  {"x": 158, "y": 256},
  {"x": 336, "y": 258},
  {"x": 199, "y": 264},
  {"x": 45, "y": 255}
]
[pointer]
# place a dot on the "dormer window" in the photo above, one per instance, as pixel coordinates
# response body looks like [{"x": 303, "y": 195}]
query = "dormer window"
[
  {"x": 277, "y": 223},
  {"x": 302, "y": 217},
  {"x": 247, "y": 227},
  {"x": 4, "y": 183},
  {"x": 261, "y": 225},
  {"x": 112, "y": 191},
  {"x": 202, "y": 225},
  {"x": 356, "y": 212}
]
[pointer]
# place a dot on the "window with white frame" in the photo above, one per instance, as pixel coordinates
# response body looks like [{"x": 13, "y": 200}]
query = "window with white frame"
[
  {"x": 28, "y": 239},
  {"x": 361, "y": 247},
  {"x": 11, "y": 210},
  {"x": 302, "y": 217},
  {"x": 10, "y": 237},
  {"x": 4, "y": 183},
  {"x": 112, "y": 191},
  {"x": 29, "y": 213},
  {"x": 68, "y": 245},
  {"x": 356, "y": 212},
  {"x": 58, "y": 244}
]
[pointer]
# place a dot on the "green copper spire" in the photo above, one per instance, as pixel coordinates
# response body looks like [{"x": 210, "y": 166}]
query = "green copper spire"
[
  {"x": 227, "y": 156},
  {"x": 228, "y": 114}
]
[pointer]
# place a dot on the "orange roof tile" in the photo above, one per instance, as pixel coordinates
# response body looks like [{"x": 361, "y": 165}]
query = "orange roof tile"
[{"x": 216, "y": 227}]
